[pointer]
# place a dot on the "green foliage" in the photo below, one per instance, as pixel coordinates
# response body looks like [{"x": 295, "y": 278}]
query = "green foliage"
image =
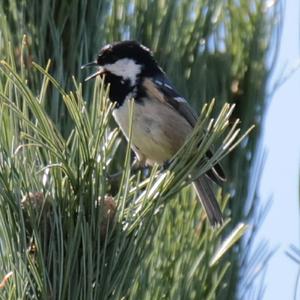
[
  {"x": 68, "y": 231},
  {"x": 63, "y": 219}
]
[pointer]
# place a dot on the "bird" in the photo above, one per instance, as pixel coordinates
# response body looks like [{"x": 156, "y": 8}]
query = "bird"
[{"x": 162, "y": 119}]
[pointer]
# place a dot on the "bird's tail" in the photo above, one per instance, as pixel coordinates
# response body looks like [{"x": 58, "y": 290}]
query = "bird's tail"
[{"x": 208, "y": 200}]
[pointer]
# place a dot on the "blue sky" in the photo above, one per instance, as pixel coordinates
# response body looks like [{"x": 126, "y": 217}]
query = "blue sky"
[{"x": 280, "y": 179}]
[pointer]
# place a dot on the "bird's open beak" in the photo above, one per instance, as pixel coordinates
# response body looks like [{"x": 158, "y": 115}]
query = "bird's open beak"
[{"x": 93, "y": 64}]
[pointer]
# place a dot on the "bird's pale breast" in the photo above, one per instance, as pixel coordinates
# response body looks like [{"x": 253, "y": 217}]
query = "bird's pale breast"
[{"x": 158, "y": 130}]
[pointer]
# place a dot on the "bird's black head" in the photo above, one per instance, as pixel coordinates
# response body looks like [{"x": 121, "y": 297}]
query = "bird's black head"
[{"x": 124, "y": 64}]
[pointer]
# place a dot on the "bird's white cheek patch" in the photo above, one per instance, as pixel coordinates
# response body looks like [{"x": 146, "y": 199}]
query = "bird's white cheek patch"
[{"x": 126, "y": 68}]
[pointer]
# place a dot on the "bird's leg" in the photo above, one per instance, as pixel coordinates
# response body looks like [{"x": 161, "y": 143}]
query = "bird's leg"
[
  {"x": 114, "y": 177},
  {"x": 166, "y": 165},
  {"x": 140, "y": 165},
  {"x": 136, "y": 166}
]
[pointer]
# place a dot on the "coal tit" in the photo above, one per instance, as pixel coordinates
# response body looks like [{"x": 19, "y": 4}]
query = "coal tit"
[{"x": 162, "y": 119}]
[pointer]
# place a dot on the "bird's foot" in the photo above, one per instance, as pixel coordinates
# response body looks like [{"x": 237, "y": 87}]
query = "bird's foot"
[
  {"x": 166, "y": 165},
  {"x": 135, "y": 167}
]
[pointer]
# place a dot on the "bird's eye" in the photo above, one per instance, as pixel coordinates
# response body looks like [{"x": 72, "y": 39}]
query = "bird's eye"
[
  {"x": 108, "y": 56},
  {"x": 113, "y": 57}
]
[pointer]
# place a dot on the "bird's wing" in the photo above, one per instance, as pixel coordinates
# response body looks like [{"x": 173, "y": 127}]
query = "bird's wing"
[
  {"x": 170, "y": 96},
  {"x": 174, "y": 99}
]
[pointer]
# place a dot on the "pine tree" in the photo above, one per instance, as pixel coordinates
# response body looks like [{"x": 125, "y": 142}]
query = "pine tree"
[{"x": 68, "y": 230}]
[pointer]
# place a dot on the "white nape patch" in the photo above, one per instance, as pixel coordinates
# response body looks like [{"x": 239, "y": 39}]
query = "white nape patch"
[
  {"x": 106, "y": 47},
  {"x": 180, "y": 99},
  {"x": 126, "y": 68},
  {"x": 145, "y": 48}
]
